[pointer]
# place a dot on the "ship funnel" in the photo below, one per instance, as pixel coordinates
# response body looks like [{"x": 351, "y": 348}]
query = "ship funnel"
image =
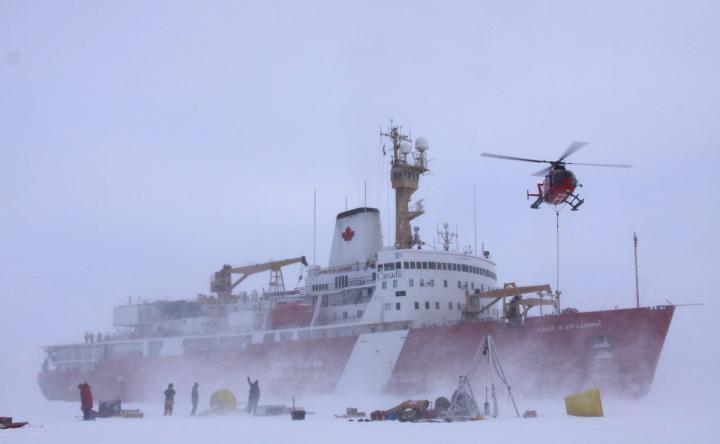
[{"x": 357, "y": 237}]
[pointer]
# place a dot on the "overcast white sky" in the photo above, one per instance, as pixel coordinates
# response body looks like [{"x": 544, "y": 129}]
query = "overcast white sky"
[{"x": 145, "y": 144}]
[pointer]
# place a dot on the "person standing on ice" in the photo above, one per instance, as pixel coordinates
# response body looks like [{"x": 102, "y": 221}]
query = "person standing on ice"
[
  {"x": 169, "y": 400},
  {"x": 253, "y": 396},
  {"x": 86, "y": 400},
  {"x": 194, "y": 397}
]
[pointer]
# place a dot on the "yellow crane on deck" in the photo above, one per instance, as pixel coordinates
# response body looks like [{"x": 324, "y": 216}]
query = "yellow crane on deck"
[
  {"x": 223, "y": 285},
  {"x": 517, "y": 309}
]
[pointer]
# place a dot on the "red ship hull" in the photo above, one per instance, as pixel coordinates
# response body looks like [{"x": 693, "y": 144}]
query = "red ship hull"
[{"x": 616, "y": 350}]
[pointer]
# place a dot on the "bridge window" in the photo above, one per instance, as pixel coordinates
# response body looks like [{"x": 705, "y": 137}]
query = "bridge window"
[
  {"x": 424, "y": 265},
  {"x": 389, "y": 266},
  {"x": 431, "y": 265},
  {"x": 398, "y": 265},
  {"x": 412, "y": 265},
  {"x": 380, "y": 267},
  {"x": 405, "y": 265},
  {"x": 341, "y": 281}
]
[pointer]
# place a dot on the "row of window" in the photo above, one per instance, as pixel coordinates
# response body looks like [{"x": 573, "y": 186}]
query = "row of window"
[
  {"x": 320, "y": 287},
  {"x": 448, "y": 266},
  {"x": 431, "y": 283},
  {"x": 427, "y": 306},
  {"x": 341, "y": 281},
  {"x": 406, "y": 174}
]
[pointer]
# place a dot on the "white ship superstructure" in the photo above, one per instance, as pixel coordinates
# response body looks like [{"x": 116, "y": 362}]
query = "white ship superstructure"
[{"x": 412, "y": 287}]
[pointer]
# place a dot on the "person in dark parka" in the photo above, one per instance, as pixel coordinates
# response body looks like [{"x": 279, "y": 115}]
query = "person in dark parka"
[
  {"x": 86, "y": 400},
  {"x": 194, "y": 397},
  {"x": 253, "y": 396},
  {"x": 169, "y": 400}
]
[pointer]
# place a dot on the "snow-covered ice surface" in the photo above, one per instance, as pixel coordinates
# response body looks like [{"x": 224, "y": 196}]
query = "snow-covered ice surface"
[{"x": 626, "y": 422}]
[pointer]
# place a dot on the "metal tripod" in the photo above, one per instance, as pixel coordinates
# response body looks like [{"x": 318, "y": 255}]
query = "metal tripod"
[{"x": 463, "y": 400}]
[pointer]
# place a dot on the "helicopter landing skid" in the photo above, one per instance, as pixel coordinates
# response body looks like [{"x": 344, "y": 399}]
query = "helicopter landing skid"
[{"x": 574, "y": 201}]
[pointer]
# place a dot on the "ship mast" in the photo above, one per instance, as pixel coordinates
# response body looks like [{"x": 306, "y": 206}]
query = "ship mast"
[
  {"x": 407, "y": 166},
  {"x": 637, "y": 284}
]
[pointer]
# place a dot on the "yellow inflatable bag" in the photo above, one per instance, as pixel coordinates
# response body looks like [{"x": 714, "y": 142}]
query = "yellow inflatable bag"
[{"x": 584, "y": 404}]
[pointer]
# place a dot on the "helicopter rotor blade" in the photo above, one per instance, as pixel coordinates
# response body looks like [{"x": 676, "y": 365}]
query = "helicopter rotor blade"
[
  {"x": 523, "y": 159},
  {"x": 571, "y": 149},
  {"x": 612, "y": 165}
]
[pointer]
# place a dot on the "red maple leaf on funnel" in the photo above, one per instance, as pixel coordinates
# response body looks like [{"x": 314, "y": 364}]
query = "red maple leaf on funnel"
[{"x": 348, "y": 234}]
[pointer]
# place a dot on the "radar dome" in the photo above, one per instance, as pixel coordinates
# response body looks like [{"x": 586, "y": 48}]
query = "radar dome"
[
  {"x": 405, "y": 148},
  {"x": 422, "y": 144}
]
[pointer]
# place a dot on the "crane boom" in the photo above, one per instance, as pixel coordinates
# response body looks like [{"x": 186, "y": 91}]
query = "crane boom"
[{"x": 223, "y": 285}]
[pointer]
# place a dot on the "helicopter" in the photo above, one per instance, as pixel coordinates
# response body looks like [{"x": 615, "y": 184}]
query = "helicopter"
[{"x": 559, "y": 184}]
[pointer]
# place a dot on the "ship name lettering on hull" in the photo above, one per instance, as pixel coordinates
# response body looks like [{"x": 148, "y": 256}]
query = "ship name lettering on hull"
[{"x": 566, "y": 327}]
